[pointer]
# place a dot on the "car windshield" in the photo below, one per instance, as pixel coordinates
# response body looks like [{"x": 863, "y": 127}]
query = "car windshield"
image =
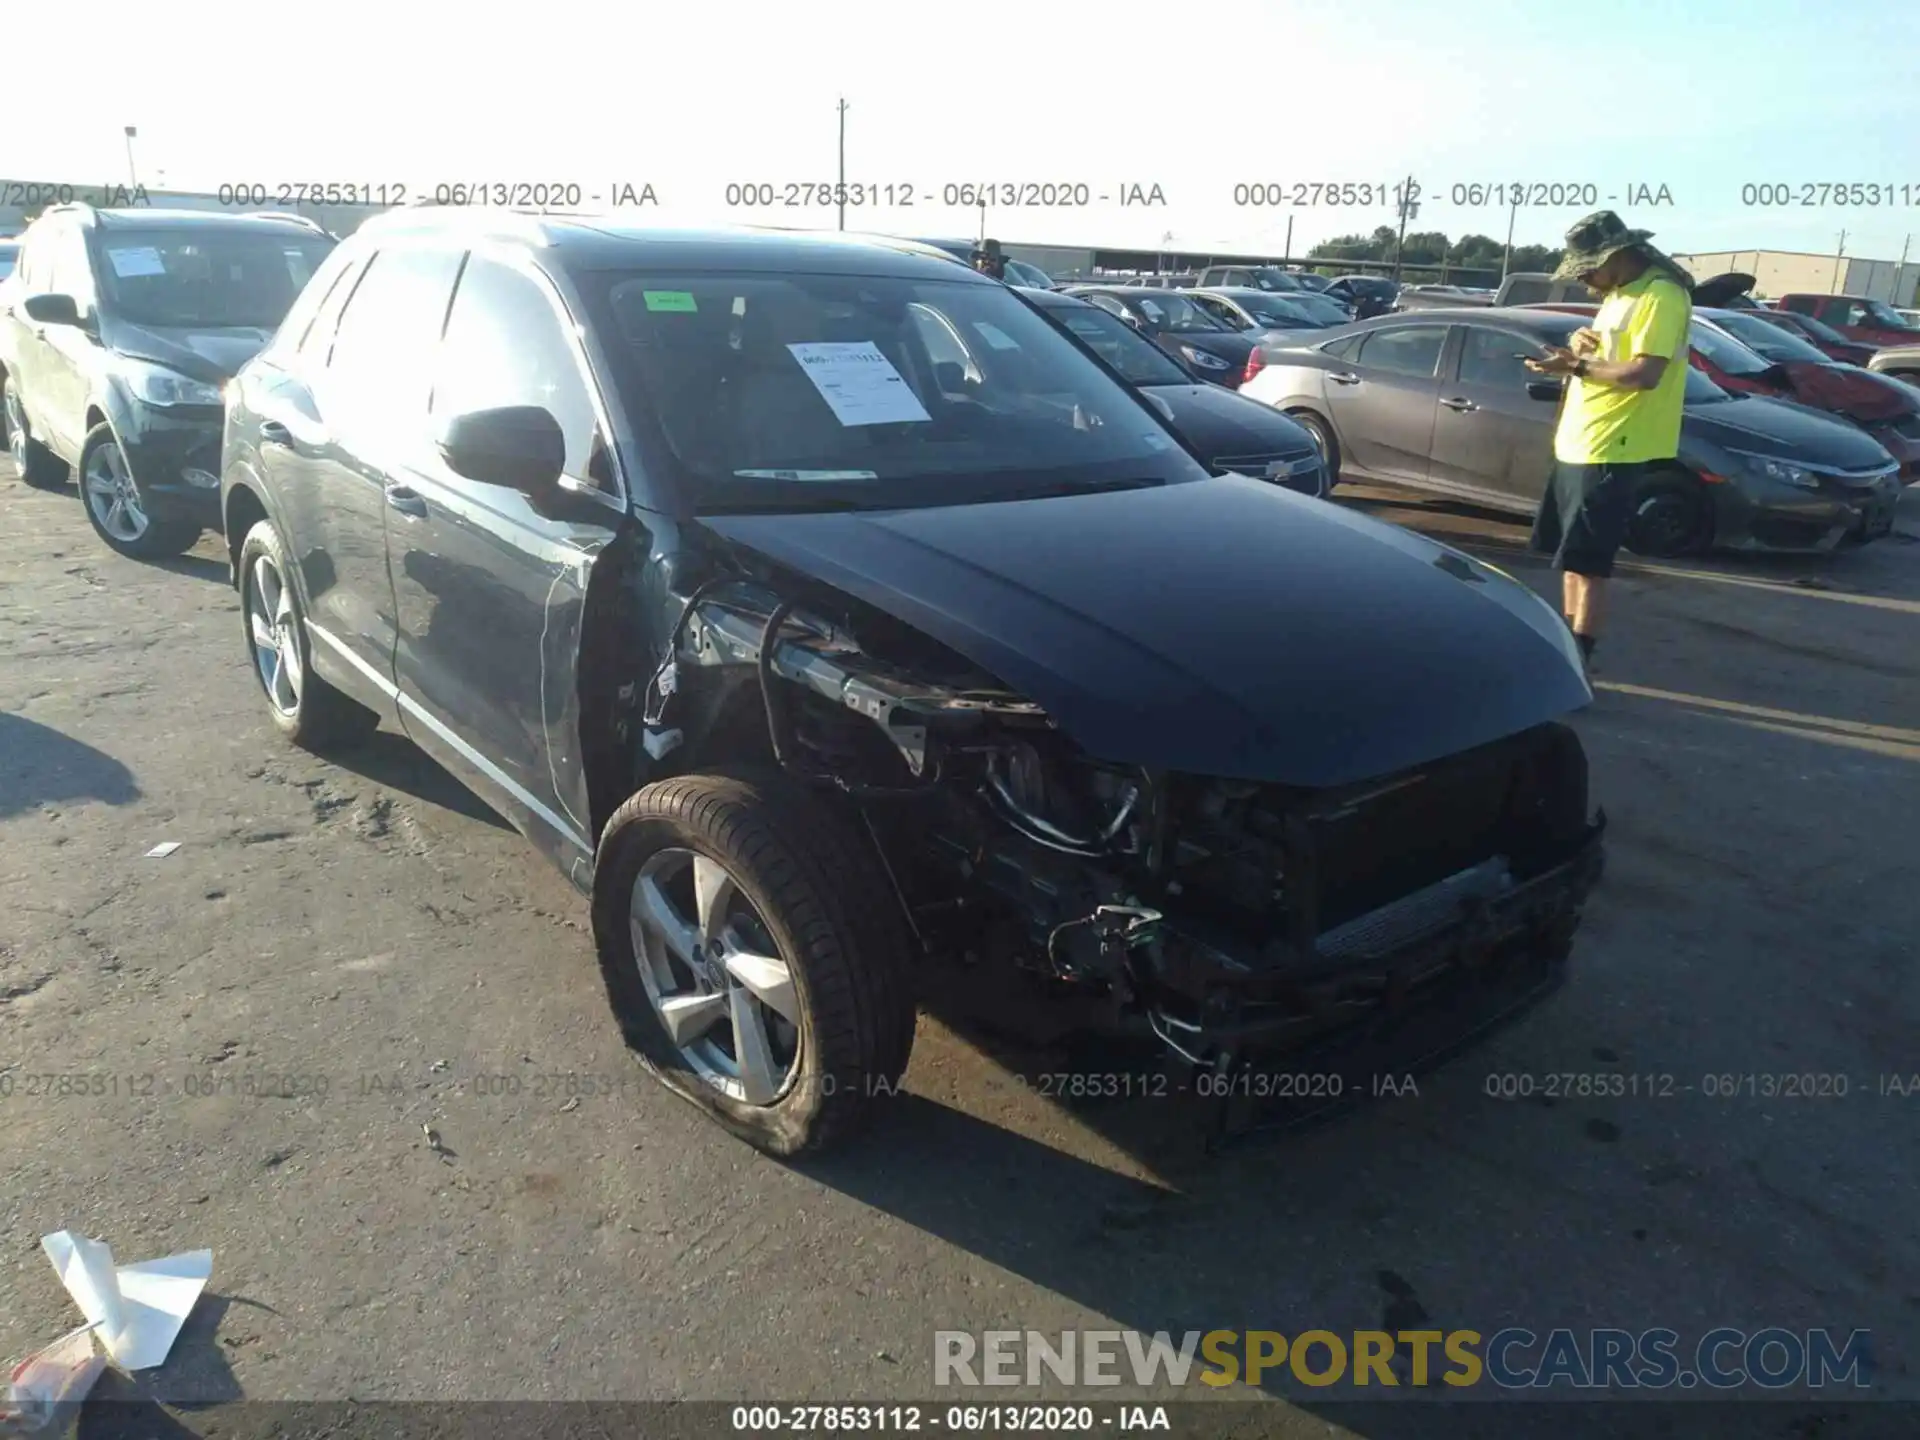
[
  {"x": 1138, "y": 360},
  {"x": 1770, "y": 342},
  {"x": 1885, "y": 316},
  {"x": 1727, "y": 354},
  {"x": 776, "y": 391},
  {"x": 1174, "y": 312},
  {"x": 1267, "y": 278},
  {"x": 1701, "y": 389},
  {"x": 1309, "y": 281},
  {"x": 209, "y": 277},
  {"x": 1278, "y": 312},
  {"x": 1807, "y": 325}
]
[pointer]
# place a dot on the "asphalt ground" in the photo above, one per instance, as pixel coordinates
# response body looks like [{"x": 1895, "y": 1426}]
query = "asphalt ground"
[{"x": 341, "y": 954}]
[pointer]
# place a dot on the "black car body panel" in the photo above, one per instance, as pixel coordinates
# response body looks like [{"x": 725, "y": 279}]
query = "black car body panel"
[
  {"x": 1045, "y": 595},
  {"x": 963, "y": 677},
  {"x": 1230, "y": 348}
]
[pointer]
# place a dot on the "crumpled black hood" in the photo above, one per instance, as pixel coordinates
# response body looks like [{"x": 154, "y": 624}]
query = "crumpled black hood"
[{"x": 1220, "y": 627}]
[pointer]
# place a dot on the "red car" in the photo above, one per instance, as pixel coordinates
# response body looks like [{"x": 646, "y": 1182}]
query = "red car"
[
  {"x": 1878, "y": 404},
  {"x": 1873, "y": 322}
]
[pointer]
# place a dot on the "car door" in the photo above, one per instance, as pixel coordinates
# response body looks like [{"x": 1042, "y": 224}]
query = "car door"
[
  {"x": 330, "y": 437},
  {"x": 63, "y": 359},
  {"x": 1383, "y": 404},
  {"x": 1492, "y": 437},
  {"x": 22, "y": 343},
  {"x": 489, "y": 589}
]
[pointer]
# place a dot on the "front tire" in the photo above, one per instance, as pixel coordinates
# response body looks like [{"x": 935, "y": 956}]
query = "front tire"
[
  {"x": 303, "y": 707},
  {"x": 1672, "y": 517},
  {"x": 117, "y": 509},
  {"x": 754, "y": 956},
  {"x": 36, "y": 465},
  {"x": 1324, "y": 441}
]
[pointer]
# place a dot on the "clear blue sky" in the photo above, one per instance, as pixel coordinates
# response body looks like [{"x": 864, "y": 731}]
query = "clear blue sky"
[{"x": 1702, "y": 96}]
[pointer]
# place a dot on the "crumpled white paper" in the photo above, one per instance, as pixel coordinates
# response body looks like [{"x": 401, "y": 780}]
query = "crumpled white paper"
[{"x": 136, "y": 1310}]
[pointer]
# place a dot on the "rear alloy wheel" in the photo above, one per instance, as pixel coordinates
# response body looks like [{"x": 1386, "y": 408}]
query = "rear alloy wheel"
[
  {"x": 1671, "y": 518},
  {"x": 32, "y": 462},
  {"x": 303, "y": 707},
  {"x": 1321, "y": 434},
  {"x": 117, "y": 509},
  {"x": 754, "y": 956}
]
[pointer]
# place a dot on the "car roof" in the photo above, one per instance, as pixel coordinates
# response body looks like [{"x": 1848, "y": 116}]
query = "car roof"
[
  {"x": 1053, "y": 299},
  {"x": 607, "y": 242},
  {"x": 156, "y": 219}
]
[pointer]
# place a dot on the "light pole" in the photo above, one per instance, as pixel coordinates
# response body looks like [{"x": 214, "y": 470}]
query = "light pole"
[
  {"x": 1506, "y": 260},
  {"x": 1900, "y": 270},
  {"x": 1288, "y": 252},
  {"x": 133, "y": 175},
  {"x": 1838, "y": 251},
  {"x": 843, "y": 163},
  {"x": 1409, "y": 209}
]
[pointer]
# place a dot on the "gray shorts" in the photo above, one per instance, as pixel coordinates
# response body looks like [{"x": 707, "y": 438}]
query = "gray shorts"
[{"x": 1582, "y": 520}]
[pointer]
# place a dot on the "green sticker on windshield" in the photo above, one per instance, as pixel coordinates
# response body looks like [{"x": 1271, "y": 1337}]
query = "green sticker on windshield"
[{"x": 670, "y": 300}]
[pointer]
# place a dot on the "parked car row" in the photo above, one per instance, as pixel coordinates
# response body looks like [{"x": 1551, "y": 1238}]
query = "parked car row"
[
  {"x": 831, "y": 614},
  {"x": 1441, "y": 400}
]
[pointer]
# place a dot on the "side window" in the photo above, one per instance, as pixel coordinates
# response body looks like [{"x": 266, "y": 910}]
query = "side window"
[
  {"x": 1492, "y": 358},
  {"x": 313, "y": 345},
  {"x": 1855, "y": 314},
  {"x": 1108, "y": 304},
  {"x": 1525, "y": 292},
  {"x": 1412, "y": 351},
  {"x": 72, "y": 274},
  {"x": 314, "y": 294},
  {"x": 505, "y": 345},
  {"x": 34, "y": 264},
  {"x": 1834, "y": 312},
  {"x": 379, "y": 372},
  {"x": 1344, "y": 347}
]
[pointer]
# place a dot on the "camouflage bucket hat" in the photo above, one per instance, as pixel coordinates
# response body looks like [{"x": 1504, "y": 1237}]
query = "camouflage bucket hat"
[{"x": 1591, "y": 240}]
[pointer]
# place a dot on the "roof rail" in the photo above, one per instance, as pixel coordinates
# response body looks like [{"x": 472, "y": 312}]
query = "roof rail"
[
  {"x": 293, "y": 215},
  {"x": 428, "y": 214}
]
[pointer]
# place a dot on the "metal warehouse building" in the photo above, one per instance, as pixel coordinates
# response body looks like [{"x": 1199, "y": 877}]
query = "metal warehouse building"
[{"x": 1788, "y": 272}]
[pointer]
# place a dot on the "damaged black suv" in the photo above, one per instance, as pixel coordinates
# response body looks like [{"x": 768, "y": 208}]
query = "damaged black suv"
[{"x": 822, "y": 664}]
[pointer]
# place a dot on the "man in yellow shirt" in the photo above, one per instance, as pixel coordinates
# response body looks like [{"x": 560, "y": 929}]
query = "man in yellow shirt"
[{"x": 1628, "y": 380}]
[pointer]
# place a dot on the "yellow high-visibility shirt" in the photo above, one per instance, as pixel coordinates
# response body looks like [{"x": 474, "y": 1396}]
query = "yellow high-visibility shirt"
[{"x": 1602, "y": 423}]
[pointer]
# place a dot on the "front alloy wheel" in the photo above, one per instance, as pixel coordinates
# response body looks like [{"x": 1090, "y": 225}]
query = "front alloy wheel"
[
  {"x": 118, "y": 510},
  {"x": 754, "y": 954},
  {"x": 715, "y": 977},
  {"x": 270, "y": 622}
]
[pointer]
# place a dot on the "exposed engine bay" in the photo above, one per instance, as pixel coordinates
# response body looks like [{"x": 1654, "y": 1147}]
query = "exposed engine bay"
[{"x": 1216, "y": 915}]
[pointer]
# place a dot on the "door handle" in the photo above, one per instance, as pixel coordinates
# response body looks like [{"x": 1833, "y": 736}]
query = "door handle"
[
  {"x": 1344, "y": 377},
  {"x": 272, "y": 432},
  {"x": 407, "y": 502},
  {"x": 1459, "y": 404}
]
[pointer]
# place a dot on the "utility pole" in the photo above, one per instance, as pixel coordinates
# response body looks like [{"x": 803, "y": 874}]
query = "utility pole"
[
  {"x": 843, "y": 162},
  {"x": 133, "y": 175},
  {"x": 1900, "y": 271},
  {"x": 1288, "y": 252},
  {"x": 1839, "y": 251},
  {"x": 983, "y": 222},
  {"x": 1409, "y": 209},
  {"x": 1506, "y": 260}
]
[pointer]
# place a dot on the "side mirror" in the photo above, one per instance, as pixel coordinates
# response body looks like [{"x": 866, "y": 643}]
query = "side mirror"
[
  {"x": 52, "y": 309},
  {"x": 1544, "y": 389},
  {"x": 518, "y": 446}
]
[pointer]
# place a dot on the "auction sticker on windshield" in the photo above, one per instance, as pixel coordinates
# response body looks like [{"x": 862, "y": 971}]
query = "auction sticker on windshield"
[
  {"x": 131, "y": 260},
  {"x": 677, "y": 301},
  {"x": 859, "y": 382}
]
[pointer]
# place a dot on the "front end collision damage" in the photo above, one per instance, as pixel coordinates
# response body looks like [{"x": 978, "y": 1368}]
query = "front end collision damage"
[{"x": 1222, "y": 919}]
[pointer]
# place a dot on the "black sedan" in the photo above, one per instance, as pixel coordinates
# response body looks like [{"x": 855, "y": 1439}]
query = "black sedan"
[
  {"x": 1201, "y": 344},
  {"x": 1266, "y": 315},
  {"x": 1368, "y": 295},
  {"x": 1226, "y": 431}
]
